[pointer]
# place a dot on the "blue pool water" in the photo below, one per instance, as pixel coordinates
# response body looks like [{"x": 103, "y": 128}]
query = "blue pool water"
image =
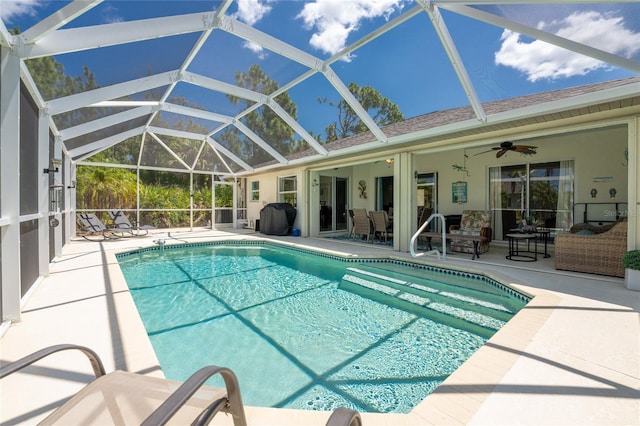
[{"x": 312, "y": 332}]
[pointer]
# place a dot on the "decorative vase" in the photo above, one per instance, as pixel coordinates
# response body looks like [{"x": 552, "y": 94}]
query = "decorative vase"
[{"x": 632, "y": 279}]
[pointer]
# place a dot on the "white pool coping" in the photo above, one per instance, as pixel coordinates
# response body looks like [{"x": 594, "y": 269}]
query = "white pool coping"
[{"x": 571, "y": 356}]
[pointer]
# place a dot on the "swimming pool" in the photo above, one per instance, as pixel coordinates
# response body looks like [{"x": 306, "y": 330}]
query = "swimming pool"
[{"x": 309, "y": 331}]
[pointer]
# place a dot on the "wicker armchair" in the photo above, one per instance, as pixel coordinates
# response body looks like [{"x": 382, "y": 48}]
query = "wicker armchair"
[
  {"x": 593, "y": 254},
  {"x": 381, "y": 224},
  {"x": 361, "y": 224}
]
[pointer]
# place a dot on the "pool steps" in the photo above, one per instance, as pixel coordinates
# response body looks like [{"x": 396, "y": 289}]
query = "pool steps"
[{"x": 441, "y": 302}]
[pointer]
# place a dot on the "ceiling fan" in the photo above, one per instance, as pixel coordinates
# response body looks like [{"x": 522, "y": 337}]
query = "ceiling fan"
[{"x": 509, "y": 146}]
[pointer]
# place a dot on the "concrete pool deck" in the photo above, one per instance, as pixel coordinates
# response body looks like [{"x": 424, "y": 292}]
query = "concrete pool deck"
[{"x": 571, "y": 356}]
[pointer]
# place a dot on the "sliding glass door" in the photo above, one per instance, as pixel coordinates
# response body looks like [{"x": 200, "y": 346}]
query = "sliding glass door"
[
  {"x": 333, "y": 203},
  {"x": 537, "y": 193}
]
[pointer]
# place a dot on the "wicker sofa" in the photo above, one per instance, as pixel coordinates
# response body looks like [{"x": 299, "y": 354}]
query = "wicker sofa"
[{"x": 593, "y": 254}]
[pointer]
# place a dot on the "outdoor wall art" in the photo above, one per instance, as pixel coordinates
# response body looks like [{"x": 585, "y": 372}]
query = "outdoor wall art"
[
  {"x": 362, "y": 186},
  {"x": 459, "y": 192}
]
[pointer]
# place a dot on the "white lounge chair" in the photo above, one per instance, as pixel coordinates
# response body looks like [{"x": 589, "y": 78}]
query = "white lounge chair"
[
  {"x": 121, "y": 221},
  {"x": 134, "y": 399},
  {"x": 94, "y": 226},
  {"x": 129, "y": 398}
]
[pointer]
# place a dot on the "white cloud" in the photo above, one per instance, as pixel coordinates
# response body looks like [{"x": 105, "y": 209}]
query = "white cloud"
[
  {"x": 255, "y": 48},
  {"x": 334, "y": 20},
  {"x": 111, "y": 14},
  {"x": 251, "y": 11},
  {"x": 12, "y": 8},
  {"x": 540, "y": 60}
]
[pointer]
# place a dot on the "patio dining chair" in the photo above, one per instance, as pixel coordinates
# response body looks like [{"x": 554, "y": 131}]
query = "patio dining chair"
[
  {"x": 130, "y": 398},
  {"x": 381, "y": 224},
  {"x": 361, "y": 224},
  {"x": 350, "y": 211}
]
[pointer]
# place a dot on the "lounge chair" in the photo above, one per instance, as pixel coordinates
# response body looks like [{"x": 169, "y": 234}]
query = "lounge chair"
[
  {"x": 121, "y": 221},
  {"x": 94, "y": 226},
  {"x": 344, "y": 417},
  {"x": 129, "y": 398}
]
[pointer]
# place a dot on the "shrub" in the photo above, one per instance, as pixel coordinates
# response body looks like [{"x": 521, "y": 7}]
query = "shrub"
[{"x": 631, "y": 260}]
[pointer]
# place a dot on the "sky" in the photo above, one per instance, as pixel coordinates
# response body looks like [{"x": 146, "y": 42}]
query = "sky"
[{"x": 408, "y": 64}]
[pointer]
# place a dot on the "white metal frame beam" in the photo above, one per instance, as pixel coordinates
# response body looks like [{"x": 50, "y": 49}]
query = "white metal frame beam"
[
  {"x": 516, "y": 2},
  {"x": 454, "y": 57},
  {"x": 218, "y": 148},
  {"x": 85, "y": 151},
  {"x": 535, "y": 33},
  {"x": 296, "y": 127},
  {"x": 91, "y": 97},
  {"x": 196, "y": 136},
  {"x": 196, "y": 113},
  {"x": 97, "y": 36},
  {"x": 175, "y": 133},
  {"x": 354, "y": 104},
  {"x": 258, "y": 140},
  {"x": 169, "y": 150},
  {"x": 193, "y": 112},
  {"x": 6, "y": 38},
  {"x": 191, "y": 56},
  {"x": 275, "y": 45},
  {"x": 49, "y": 38},
  {"x": 62, "y": 17},
  {"x": 10, "y": 286},
  {"x": 101, "y": 123},
  {"x": 271, "y": 43},
  {"x": 222, "y": 87},
  {"x": 414, "y": 11}
]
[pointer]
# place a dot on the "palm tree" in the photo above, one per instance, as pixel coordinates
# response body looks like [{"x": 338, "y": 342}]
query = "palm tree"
[{"x": 105, "y": 188}]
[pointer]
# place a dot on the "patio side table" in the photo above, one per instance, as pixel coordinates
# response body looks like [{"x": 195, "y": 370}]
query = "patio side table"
[{"x": 518, "y": 255}]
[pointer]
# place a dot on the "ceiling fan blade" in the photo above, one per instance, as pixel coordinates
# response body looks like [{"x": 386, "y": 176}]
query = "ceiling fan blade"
[
  {"x": 501, "y": 153},
  {"x": 524, "y": 148},
  {"x": 484, "y": 152}
]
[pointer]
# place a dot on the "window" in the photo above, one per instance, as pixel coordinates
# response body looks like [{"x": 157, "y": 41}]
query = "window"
[
  {"x": 540, "y": 193},
  {"x": 427, "y": 198},
  {"x": 288, "y": 190},
  {"x": 255, "y": 190}
]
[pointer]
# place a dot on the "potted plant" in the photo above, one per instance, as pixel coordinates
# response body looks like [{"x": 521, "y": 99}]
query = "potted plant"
[{"x": 631, "y": 263}]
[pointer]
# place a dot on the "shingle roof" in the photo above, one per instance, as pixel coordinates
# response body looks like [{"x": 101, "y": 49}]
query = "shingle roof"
[{"x": 439, "y": 119}]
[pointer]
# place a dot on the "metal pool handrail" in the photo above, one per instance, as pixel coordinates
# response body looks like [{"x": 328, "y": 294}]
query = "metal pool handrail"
[{"x": 413, "y": 242}]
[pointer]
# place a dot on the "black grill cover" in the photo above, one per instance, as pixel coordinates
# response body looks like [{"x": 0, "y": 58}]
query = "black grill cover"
[{"x": 277, "y": 218}]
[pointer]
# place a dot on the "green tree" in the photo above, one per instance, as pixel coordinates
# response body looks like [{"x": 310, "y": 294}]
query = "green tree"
[
  {"x": 263, "y": 121},
  {"x": 52, "y": 82},
  {"x": 105, "y": 188},
  {"x": 381, "y": 109}
]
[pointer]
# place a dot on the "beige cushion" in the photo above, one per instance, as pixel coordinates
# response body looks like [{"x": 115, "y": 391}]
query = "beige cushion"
[{"x": 121, "y": 398}]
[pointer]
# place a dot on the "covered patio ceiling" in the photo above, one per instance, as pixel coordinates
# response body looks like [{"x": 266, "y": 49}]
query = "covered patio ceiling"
[{"x": 236, "y": 87}]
